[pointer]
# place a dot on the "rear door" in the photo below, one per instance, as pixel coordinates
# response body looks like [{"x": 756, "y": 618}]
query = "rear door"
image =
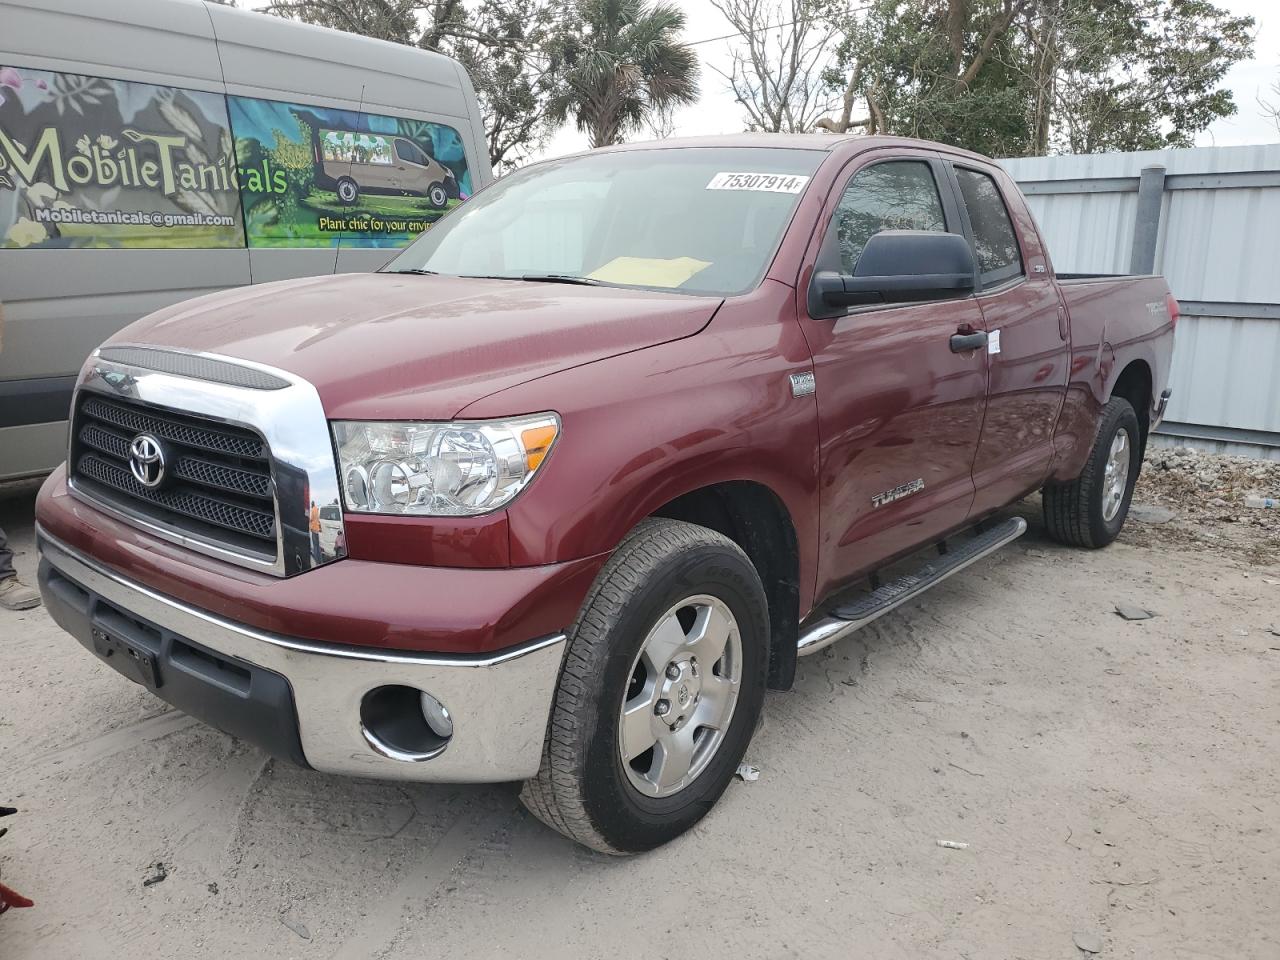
[
  {"x": 899, "y": 413},
  {"x": 1027, "y": 349}
]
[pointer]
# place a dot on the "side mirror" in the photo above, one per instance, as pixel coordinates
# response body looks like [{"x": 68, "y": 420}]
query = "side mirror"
[{"x": 899, "y": 266}]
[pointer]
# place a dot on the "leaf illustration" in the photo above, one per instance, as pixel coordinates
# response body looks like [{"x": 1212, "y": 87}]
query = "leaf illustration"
[
  {"x": 180, "y": 119},
  {"x": 83, "y": 145}
]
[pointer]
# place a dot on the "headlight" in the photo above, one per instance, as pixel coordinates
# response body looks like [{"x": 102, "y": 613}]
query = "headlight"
[{"x": 455, "y": 469}]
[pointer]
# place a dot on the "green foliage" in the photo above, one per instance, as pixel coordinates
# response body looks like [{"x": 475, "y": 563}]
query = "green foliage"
[
  {"x": 622, "y": 64},
  {"x": 1016, "y": 77},
  {"x": 295, "y": 160}
]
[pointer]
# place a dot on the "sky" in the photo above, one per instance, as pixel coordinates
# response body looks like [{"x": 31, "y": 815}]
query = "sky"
[{"x": 716, "y": 111}]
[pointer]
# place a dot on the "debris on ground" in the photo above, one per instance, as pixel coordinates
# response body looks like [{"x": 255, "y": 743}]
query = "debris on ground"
[
  {"x": 299, "y": 928},
  {"x": 953, "y": 845},
  {"x": 158, "y": 873},
  {"x": 1208, "y": 497},
  {"x": 1087, "y": 940},
  {"x": 1130, "y": 612},
  {"x": 747, "y": 772},
  {"x": 1145, "y": 513},
  {"x": 213, "y": 888}
]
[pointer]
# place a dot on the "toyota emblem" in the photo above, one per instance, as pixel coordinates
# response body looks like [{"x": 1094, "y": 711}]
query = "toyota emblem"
[{"x": 146, "y": 460}]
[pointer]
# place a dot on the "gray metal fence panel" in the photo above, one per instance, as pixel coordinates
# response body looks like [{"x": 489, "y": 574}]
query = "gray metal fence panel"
[{"x": 1218, "y": 244}]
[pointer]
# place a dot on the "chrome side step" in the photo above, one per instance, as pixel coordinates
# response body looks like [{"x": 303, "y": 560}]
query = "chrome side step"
[{"x": 844, "y": 620}]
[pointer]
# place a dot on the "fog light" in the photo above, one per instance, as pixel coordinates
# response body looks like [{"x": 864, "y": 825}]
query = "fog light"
[{"x": 405, "y": 723}]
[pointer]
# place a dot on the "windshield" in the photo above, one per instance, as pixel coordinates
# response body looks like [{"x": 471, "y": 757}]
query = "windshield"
[{"x": 696, "y": 220}]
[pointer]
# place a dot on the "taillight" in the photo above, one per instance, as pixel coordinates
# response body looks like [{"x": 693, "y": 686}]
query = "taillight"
[{"x": 1175, "y": 312}]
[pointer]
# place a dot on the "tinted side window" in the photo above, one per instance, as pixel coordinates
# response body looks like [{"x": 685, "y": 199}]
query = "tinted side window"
[
  {"x": 993, "y": 236},
  {"x": 899, "y": 195}
]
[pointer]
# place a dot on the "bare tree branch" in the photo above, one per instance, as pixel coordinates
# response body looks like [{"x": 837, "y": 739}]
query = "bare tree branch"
[{"x": 776, "y": 69}]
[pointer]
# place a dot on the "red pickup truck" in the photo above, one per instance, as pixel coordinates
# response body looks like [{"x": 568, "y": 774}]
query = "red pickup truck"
[{"x": 558, "y": 493}]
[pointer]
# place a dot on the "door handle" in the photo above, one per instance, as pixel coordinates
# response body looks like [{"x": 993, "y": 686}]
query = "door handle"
[{"x": 960, "y": 342}]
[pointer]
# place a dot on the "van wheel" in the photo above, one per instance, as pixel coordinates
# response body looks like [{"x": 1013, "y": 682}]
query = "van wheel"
[
  {"x": 1091, "y": 509},
  {"x": 662, "y": 685},
  {"x": 348, "y": 191},
  {"x": 437, "y": 196}
]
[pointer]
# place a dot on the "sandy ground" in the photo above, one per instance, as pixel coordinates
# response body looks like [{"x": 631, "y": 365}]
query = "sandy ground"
[{"x": 1115, "y": 781}]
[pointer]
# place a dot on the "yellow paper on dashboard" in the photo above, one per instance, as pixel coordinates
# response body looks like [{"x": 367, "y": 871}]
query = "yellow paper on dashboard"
[{"x": 649, "y": 272}]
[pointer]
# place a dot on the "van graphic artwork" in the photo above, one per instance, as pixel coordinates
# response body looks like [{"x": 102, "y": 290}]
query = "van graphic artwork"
[
  {"x": 88, "y": 162},
  {"x": 316, "y": 176},
  {"x": 91, "y": 162}
]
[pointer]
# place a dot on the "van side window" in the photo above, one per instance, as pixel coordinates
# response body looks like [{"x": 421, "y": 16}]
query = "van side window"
[
  {"x": 997, "y": 246},
  {"x": 90, "y": 162},
  {"x": 898, "y": 195}
]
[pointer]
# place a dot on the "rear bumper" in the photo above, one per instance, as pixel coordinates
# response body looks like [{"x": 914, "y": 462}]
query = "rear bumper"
[{"x": 300, "y": 699}]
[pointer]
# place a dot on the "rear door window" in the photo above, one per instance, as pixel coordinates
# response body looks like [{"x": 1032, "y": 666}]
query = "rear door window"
[
  {"x": 895, "y": 195},
  {"x": 994, "y": 240}
]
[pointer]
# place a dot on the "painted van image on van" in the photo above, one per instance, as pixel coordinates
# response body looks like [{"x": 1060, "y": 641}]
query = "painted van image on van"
[
  {"x": 91, "y": 162},
  {"x": 319, "y": 176},
  {"x": 357, "y": 162}
]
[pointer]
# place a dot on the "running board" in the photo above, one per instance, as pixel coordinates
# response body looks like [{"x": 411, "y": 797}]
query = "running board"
[{"x": 844, "y": 620}]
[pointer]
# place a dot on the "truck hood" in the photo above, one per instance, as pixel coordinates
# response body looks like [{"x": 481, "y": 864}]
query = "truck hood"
[{"x": 395, "y": 346}]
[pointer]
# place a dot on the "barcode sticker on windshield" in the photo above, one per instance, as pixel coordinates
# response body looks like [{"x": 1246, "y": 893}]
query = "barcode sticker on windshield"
[{"x": 768, "y": 182}]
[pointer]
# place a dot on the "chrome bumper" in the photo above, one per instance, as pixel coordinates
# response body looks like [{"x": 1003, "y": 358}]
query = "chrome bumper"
[{"x": 499, "y": 703}]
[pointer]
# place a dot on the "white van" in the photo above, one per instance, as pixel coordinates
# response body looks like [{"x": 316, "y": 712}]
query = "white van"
[{"x": 156, "y": 150}]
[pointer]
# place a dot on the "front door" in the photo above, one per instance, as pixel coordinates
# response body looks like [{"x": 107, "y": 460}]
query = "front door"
[{"x": 899, "y": 413}]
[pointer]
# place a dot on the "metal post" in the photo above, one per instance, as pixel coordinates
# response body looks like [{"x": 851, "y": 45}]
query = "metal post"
[{"x": 1146, "y": 222}]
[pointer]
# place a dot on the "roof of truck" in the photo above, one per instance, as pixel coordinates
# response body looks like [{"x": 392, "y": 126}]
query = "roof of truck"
[{"x": 795, "y": 141}]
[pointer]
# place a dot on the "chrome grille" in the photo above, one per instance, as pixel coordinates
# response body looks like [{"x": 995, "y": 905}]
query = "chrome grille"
[
  {"x": 218, "y": 486},
  {"x": 176, "y": 427}
]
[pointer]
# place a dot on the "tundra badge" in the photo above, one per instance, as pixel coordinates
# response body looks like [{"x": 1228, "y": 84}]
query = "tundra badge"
[{"x": 898, "y": 492}]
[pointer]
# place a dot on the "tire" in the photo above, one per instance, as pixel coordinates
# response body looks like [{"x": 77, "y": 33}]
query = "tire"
[
  {"x": 438, "y": 196},
  {"x": 584, "y": 788},
  {"x": 1076, "y": 513},
  {"x": 348, "y": 191}
]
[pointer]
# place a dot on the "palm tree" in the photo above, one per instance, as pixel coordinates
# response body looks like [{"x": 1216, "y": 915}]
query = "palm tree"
[{"x": 622, "y": 63}]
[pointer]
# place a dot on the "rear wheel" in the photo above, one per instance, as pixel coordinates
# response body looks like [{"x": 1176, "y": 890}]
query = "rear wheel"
[
  {"x": 348, "y": 190},
  {"x": 1090, "y": 510},
  {"x": 662, "y": 685}
]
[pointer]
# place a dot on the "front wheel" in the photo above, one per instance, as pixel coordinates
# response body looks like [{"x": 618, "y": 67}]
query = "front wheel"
[
  {"x": 437, "y": 196},
  {"x": 661, "y": 689},
  {"x": 348, "y": 190},
  {"x": 1090, "y": 510}
]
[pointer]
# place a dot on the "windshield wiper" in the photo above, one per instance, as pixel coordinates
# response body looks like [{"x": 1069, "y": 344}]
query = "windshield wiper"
[
  {"x": 536, "y": 278},
  {"x": 424, "y": 273},
  {"x": 560, "y": 278}
]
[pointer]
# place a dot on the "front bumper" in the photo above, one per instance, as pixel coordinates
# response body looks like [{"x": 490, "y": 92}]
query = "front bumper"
[{"x": 239, "y": 678}]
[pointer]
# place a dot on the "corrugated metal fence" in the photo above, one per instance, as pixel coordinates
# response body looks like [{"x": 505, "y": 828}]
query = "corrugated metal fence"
[{"x": 1209, "y": 220}]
